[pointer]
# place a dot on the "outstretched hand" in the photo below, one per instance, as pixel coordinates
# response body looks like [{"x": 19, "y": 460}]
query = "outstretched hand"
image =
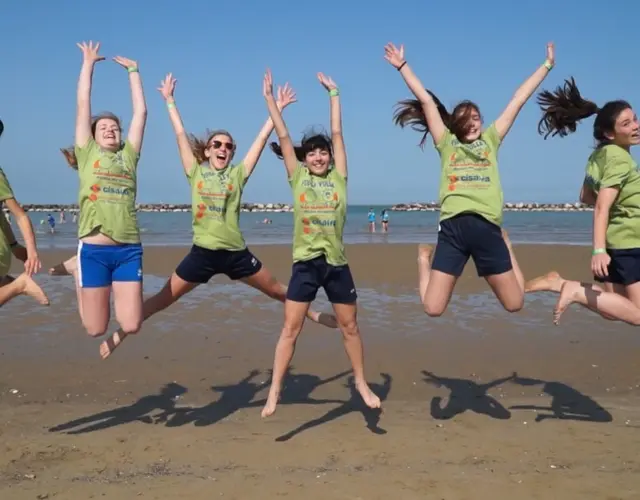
[
  {"x": 394, "y": 55},
  {"x": 126, "y": 63},
  {"x": 551, "y": 53},
  {"x": 90, "y": 52},
  {"x": 267, "y": 85},
  {"x": 167, "y": 86},
  {"x": 286, "y": 96},
  {"x": 327, "y": 82}
]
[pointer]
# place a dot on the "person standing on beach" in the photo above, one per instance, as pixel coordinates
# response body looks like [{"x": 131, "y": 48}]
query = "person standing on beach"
[
  {"x": 471, "y": 197},
  {"x": 109, "y": 251},
  {"x": 384, "y": 218},
  {"x": 23, "y": 284},
  {"x": 216, "y": 194},
  {"x": 317, "y": 173},
  {"x": 371, "y": 218},
  {"x": 612, "y": 184}
]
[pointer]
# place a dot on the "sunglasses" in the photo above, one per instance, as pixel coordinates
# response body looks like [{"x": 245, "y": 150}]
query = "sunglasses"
[{"x": 218, "y": 145}]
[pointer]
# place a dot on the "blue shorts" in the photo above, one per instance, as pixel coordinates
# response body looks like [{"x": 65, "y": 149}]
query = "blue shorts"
[
  {"x": 471, "y": 235},
  {"x": 624, "y": 268},
  {"x": 202, "y": 264},
  {"x": 101, "y": 265},
  {"x": 309, "y": 276}
]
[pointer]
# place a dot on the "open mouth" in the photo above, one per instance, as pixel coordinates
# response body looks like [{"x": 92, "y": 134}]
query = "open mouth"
[{"x": 221, "y": 156}]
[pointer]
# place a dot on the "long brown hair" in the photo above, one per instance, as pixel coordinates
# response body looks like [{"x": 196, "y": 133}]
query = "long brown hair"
[
  {"x": 311, "y": 140},
  {"x": 69, "y": 153}
]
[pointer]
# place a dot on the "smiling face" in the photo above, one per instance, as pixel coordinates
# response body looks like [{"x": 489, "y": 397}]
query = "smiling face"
[
  {"x": 107, "y": 134},
  {"x": 626, "y": 130},
  {"x": 466, "y": 122},
  {"x": 220, "y": 150},
  {"x": 317, "y": 161}
]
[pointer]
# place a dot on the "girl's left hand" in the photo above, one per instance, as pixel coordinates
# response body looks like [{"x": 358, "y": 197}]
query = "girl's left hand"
[
  {"x": 327, "y": 82},
  {"x": 286, "y": 96},
  {"x": 126, "y": 63},
  {"x": 551, "y": 53}
]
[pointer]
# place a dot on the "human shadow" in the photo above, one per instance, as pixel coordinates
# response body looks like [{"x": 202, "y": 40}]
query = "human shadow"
[
  {"x": 297, "y": 389},
  {"x": 354, "y": 403},
  {"x": 567, "y": 403},
  {"x": 137, "y": 412},
  {"x": 466, "y": 395}
]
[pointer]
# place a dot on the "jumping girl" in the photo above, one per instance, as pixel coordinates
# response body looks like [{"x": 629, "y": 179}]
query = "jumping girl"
[
  {"x": 471, "y": 197},
  {"x": 612, "y": 184},
  {"x": 109, "y": 251},
  {"x": 216, "y": 194},
  {"x": 317, "y": 173}
]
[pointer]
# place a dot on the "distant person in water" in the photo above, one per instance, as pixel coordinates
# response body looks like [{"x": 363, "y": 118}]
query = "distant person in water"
[
  {"x": 612, "y": 185},
  {"x": 384, "y": 218},
  {"x": 470, "y": 214},
  {"x": 371, "y": 218},
  {"x": 51, "y": 222},
  {"x": 216, "y": 195},
  {"x": 63, "y": 217}
]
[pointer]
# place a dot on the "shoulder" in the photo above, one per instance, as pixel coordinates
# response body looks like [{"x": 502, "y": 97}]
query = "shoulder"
[{"x": 490, "y": 135}]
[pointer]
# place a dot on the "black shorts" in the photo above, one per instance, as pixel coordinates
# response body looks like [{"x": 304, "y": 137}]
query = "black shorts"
[
  {"x": 624, "y": 268},
  {"x": 308, "y": 276},
  {"x": 471, "y": 235},
  {"x": 202, "y": 264}
]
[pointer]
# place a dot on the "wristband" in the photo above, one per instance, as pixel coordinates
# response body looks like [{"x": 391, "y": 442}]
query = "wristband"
[
  {"x": 402, "y": 65},
  {"x": 171, "y": 105},
  {"x": 334, "y": 92},
  {"x": 598, "y": 251},
  {"x": 132, "y": 69},
  {"x": 548, "y": 65}
]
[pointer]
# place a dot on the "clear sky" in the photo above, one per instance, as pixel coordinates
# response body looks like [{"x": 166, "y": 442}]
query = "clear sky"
[{"x": 218, "y": 52}]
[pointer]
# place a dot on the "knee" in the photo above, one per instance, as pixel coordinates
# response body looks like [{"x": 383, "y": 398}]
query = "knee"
[
  {"x": 290, "y": 331},
  {"x": 514, "y": 305},
  {"x": 433, "y": 310},
  {"x": 349, "y": 328},
  {"x": 131, "y": 326},
  {"x": 95, "y": 330}
]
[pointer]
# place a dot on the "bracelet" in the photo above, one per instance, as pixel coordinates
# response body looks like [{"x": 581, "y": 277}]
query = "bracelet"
[
  {"x": 402, "y": 65},
  {"x": 548, "y": 65},
  {"x": 132, "y": 69},
  {"x": 597, "y": 251},
  {"x": 171, "y": 105},
  {"x": 334, "y": 92}
]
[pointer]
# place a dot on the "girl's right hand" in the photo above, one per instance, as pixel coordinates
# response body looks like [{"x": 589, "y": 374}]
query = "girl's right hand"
[
  {"x": 267, "y": 85},
  {"x": 394, "y": 55},
  {"x": 90, "y": 52},
  {"x": 167, "y": 87},
  {"x": 600, "y": 265}
]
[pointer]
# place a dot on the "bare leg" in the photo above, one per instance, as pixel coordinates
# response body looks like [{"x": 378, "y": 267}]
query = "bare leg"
[
  {"x": 174, "y": 288},
  {"x": 514, "y": 262},
  {"x": 22, "y": 285},
  {"x": 435, "y": 287},
  {"x": 294, "y": 315},
  {"x": 550, "y": 282},
  {"x": 347, "y": 319},
  {"x": 265, "y": 282}
]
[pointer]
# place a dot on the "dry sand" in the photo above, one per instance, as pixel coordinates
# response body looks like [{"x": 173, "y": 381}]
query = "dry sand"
[{"x": 175, "y": 413}]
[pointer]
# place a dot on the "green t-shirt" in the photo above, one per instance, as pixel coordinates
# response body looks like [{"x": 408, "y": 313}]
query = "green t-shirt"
[
  {"x": 612, "y": 166},
  {"x": 215, "y": 206},
  {"x": 108, "y": 185},
  {"x": 469, "y": 178},
  {"x": 319, "y": 215},
  {"x": 5, "y": 248}
]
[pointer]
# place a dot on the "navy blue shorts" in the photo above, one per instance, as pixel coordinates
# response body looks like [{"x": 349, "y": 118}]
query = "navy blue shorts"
[
  {"x": 309, "y": 276},
  {"x": 202, "y": 264},
  {"x": 624, "y": 268},
  {"x": 471, "y": 235},
  {"x": 101, "y": 265}
]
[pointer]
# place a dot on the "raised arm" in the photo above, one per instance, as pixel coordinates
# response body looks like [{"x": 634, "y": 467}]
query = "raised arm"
[
  {"x": 83, "y": 107},
  {"x": 288, "y": 152},
  {"x": 522, "y": 95},
  {"x": 167, "y": 89},
  {"x": 32, "y": 264},
  {"x": 395, "y": 57},
  {"x": 286, "y": 96},
  {"x": 139, "y": 119},
  {"x": 339, "y": 150}
]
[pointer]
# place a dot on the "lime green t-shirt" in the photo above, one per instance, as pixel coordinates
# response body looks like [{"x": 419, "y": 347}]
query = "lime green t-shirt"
[
  {"x": 469, "y": 178},
  {"x": 215, "y": 206},
  {"x": 108, "y": 188},
  {"x": 319, "y": 215},
  {"x": 5, "y": 248},
  {"x": 613, "y": 166}
]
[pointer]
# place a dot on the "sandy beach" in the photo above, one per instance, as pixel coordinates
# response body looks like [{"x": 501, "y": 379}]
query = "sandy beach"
[{"x": 478, "y": 404}]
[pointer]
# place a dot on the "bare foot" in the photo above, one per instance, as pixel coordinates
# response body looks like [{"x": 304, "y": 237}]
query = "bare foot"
[
  {"x": 108, "y": 346},
  {"x": 550, "y": 282},
  {"x": 270, "y": 406},
  {"x": 65, "y": 268},
  {"x": 33, "y": 290},
  {"x": 370, "y": 399},
  {"x": 567, "y": 297},
  {"x": 424, "y": 254},
  {"x": 328, "y": 320}
]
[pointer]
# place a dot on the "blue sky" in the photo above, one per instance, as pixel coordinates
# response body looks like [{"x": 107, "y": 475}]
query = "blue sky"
[{"x": 218, "y": 52}]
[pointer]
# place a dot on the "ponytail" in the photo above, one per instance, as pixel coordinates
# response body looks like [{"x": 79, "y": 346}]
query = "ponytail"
[
  {"x": 70, "y": 155},
  {"x": 410, "y": 113}
]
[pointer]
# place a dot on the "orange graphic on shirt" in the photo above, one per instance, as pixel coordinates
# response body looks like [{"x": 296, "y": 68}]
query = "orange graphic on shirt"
[
  {"x": 200, "y": 185},
  {"x": 201, "y": 209},
  {"x": 486, "y": 154},
  {"x": 93, "y": 197},
  {"x": 452, "y": 158},
  {"x": 303, "y": 198},
  {"x": 305, "y": 221},
  {"x": 335, "y": 196},
  {"x": 96, "y": 164},
  {"x": 306, "y": 230},
  {"x": 95, "y": 188},
  {"x": 229, "y": 187},
  {"x": 452, "y": 182}
]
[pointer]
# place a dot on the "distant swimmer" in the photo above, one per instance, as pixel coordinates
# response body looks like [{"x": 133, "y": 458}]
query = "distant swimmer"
[
  {"x": 384, "y": 218},
  {"x": 371, "y": 219},
  {"x": 51, "y": 223}
]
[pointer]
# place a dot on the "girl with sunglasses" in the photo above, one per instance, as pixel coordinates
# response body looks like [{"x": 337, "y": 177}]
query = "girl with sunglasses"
[
  {"x": 317, "y": 173},
  {"x": 109, "y": 255},
  {"x": 216, "y": 192}
]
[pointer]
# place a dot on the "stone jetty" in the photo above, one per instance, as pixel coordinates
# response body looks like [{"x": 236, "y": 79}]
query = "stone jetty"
[{"x": 508, "y": 207}]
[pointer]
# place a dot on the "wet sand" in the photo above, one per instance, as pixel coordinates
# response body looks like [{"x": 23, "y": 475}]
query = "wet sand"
[{"x": 175, "y": 412}]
